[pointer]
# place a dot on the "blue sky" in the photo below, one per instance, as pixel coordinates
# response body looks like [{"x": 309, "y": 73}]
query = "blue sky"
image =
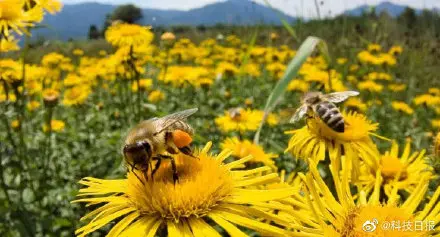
[{"x": 292, "y": 7}]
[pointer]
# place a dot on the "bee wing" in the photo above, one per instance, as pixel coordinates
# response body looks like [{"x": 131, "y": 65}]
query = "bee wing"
[
  {"x": 161, "y": 124},
  {"x": 337, "y": 97},
  {"x": 299, "y": 113}
]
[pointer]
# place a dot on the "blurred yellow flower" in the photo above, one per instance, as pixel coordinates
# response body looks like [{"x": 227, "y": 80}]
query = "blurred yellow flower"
[
  {"x": 14, "y": 16},
  {"x": 356, "y": 104},
  {"x": 33, "y": 105},
  {"x": 427, "y": 99},
  {"x": 402, "y": 107},
  {"x": 370, "y": 86},
  {"x": 436, "y": 147},
  {"x": 395, "y": 50},
  {"x": 397, "y": 87},
  {"x": 379, "y": 76},
  {"x": 207, "y": 188},
  {"x": 55, "y": 126},
  {"x": 76, "y": 95},
  {"x": 341, "y": 61},
  {"x": 50, "y": 97},
  {"x": 144, "y": 84},
  {"x": 298, "y": 85},
  {"x": 374, "y": 47},
  {"x": 226, "y": 69},
  {"x": 354, "y": 68},
  {"x": 239, "y": 119},
  {"x": 402, "y": 172},
  {"x": 102, "y": 53},
  {"x": 274, "y": 36},
  {"x": 168, "y": 36},
  {"x": 8, "y": 44},
  {"x": 243, "y": 148},
  {"x": 52, "y": 6},
  {"x": 78, "y": 52},
  {"x": 15, "y": 124},
  {"x": 123, "y": 34},
  {"x": 435, "y": 123},
  {"x": 156, "y": 96},
  {"x": 434, "y": 91}
]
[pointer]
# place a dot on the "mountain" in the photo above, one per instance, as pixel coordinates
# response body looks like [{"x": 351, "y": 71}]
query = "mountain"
[
  {"x": 391, "y": 8},
  {"x": 74, "y": 20}
]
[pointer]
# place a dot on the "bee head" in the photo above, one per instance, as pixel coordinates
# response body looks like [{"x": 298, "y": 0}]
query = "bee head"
[
  {"x": 311, "y": 97},
  {"x": 138, "y": 154}
]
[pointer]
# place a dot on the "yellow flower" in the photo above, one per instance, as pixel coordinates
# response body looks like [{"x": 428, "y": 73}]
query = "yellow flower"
[
  {"x": 401, "y": 173},
  {"x": 13, "y": 16},
  {"x": 33, "y": 105},
  {"x": 55, "y": 126},
  {"x": 316, "y": 139},
  {"x": 76, "y": 95},
  {"x": 298, "y": 85},
  {"x": 102, "y": 53},
  {"x": 274, "y": 36},
  {"x": 355, "y": 103},
  {"x": 78, "y": 52},
  {"x": 427, "y": 99},
  {"x": 15, "y": 124},
  {"x": 180, "y": 76},
  {"x": 50, "y": 97},
  {"x": 395, "y": 50},
  {"x": 397, "y": 87},
  {"x": 354, "y": 68},
  {"x": 436, "y": 146},
  {"x": 73, "y": 79},
  {"x": 370, "y": 86},
  {"x": 52, "y": 6},
  {"x": 402, "y": 107},
  {"x": 341, "y": 61},
  {"x": 252, "y": 69},
  {"x": 239, "y": 120},
  {"x": 168, "y": 36},
  {"x": 374, "y": 47},
  {"x": 379, "y": 76},
  {"x": 434, "y": 91},
  {"x": 226, "y": 69},
  {"x": 435, "y": 123},
  {"x": 144, "y": 84},
  {"x": 8, "y": 44},
  {"x": 156, "y": 96},
  {"x": 276, "y": 69},
  {"x": 342, "y": 213},
  {"x": 208, "y": 193},
  {"x": 122, "y": 34},
  {"x": 244, "y": 148}
]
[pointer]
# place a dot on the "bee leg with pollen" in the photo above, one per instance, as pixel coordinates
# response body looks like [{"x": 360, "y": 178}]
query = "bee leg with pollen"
[{"x": 173, "y": 166}]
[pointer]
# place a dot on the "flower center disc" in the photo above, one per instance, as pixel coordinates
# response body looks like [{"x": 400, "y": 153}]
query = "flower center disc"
[{"x": 202, "y": 184}]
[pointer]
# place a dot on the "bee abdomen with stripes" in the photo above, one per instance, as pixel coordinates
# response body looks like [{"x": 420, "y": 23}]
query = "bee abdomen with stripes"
[{"x": 330, "y": 115}]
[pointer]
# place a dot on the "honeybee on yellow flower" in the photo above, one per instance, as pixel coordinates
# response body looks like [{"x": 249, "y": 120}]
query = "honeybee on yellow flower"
[
  {"x": 151, "y": 139},
  {"x": 323, "y": 106}
]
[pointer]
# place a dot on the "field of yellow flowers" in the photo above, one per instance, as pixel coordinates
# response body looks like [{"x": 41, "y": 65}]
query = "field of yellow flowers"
[{"x": 65, "y": 119}]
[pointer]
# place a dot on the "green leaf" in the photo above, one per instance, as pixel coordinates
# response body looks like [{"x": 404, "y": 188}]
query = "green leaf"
[{"x": 304, "y": 51}]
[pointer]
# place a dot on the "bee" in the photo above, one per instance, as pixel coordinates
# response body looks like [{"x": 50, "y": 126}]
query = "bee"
[
  {"x": 323, "y": 106},
  {"x": 235, "y": 113},
  {"x": 151, "y": 139}
]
